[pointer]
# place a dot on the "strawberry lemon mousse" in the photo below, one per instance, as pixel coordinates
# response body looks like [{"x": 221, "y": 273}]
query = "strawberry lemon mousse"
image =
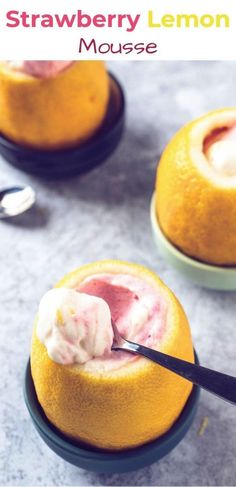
[
  {"x": 195, "y": 197},
  {"x": 104, "y": 398},
  {"x": 136, "y": 307},
  {"x": 75, "y": 325},
  {"x": 52, "y": 104}
]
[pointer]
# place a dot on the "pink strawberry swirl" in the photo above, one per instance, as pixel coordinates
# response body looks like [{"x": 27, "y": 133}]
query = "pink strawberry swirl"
[{"x": 40, "y": 69}]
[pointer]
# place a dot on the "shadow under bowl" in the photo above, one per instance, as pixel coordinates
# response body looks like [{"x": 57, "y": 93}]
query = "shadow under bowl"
[
  {"x": 77, "y": 159},
  {"x": 97, "y": 460},
  {"x": 206, "y": 275}
]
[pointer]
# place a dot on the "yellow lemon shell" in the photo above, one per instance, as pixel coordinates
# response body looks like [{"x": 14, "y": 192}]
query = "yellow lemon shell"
[
  {"x": 195, "y": 206},
  {"x": 56, "y": 112},
  {"x": 117, "y": 409}
]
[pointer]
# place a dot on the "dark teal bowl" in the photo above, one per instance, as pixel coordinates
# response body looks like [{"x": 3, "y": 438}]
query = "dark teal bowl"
[{"x": 99, "y": 460}]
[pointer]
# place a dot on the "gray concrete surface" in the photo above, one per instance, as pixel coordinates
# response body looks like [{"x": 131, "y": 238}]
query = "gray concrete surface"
[{"x": 101, "y": 215}]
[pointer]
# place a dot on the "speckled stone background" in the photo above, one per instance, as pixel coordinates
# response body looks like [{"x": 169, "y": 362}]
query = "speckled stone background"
[{"x": 106, "y": 214}]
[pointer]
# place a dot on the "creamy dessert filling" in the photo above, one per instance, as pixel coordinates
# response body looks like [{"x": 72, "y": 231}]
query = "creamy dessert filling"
[
  {"x": 75, "y": 325},
  {"x": 39, "y": 69},
  {"x": 220, "y": 150}
]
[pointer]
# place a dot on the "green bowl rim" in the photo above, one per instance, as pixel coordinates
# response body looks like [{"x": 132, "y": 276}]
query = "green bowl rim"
[{"x": 180, "y": 255}]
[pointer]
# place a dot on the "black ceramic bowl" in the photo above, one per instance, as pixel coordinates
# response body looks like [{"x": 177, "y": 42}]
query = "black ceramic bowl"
[
  {"x": 75, "y": 160},
  {"x": 102, "y": 461}
]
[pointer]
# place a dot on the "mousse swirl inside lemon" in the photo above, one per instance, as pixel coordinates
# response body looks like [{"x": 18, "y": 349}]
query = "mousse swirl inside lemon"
[
  {"x": 75, "y": 325},
  {"x": 111, "y": 400},
  {"x": 196, "y": 189},
  {"x": 220, "y": 150}
]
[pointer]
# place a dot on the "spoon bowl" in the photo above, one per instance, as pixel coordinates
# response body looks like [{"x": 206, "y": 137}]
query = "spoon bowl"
[{"x": 16, "y": 200}]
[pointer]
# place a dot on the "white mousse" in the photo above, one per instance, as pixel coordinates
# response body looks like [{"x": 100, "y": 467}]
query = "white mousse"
[
  {"x": 222, "y": 157},
  {"x": 74, "y": 327},
  {"x": 221, "y": 151}
]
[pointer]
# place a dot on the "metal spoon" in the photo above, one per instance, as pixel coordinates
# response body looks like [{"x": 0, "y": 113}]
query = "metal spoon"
[
  {"x": 16, "y": 200},
  {"x": 215, "y": 382}
]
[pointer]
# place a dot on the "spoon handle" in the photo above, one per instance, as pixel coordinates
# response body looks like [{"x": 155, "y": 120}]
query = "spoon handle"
[{"x": 215, "y": 382}]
